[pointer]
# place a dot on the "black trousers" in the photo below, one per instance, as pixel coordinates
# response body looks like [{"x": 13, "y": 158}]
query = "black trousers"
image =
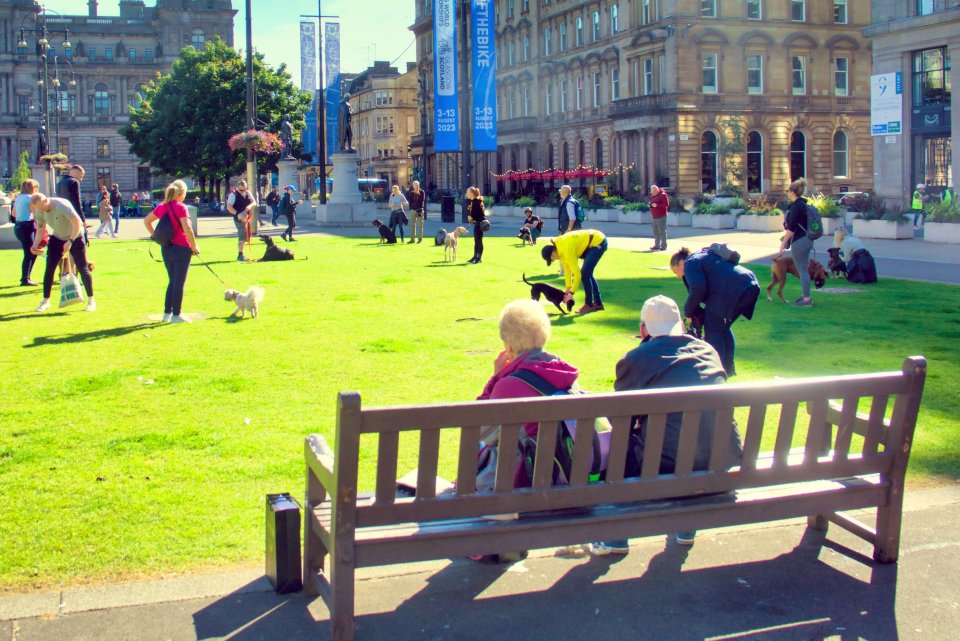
[
  {"x": 176, "y": 259},
  {"x": 55, "y": 252},
  {"x": 291, "y": 223},
  {"x": 26, "y": 233},
  {"x": 477, "y": 242}
]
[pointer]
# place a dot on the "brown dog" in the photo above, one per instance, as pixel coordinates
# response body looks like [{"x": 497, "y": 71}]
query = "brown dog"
[{"x": 783, "y": 265}]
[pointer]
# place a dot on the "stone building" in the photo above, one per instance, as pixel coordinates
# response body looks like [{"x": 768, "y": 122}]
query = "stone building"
[
  {"x": 385, "y": 119},
  {"x": 918, "y": 39},
  {"x": 92, "y": 83},
  {"x": 689, "y": 93}
]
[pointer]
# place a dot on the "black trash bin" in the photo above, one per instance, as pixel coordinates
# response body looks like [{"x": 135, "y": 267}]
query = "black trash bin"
[
  {"x": 283, "y": 567},
  {"x": 448, "y": 209}
]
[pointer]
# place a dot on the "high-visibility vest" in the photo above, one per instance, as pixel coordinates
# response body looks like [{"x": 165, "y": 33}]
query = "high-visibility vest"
[
  {"x": 947, "y": 196},
  {"x": 917, "y": 200}
]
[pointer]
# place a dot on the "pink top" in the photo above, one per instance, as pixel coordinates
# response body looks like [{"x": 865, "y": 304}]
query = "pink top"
[{"x": 178, "y": 212}]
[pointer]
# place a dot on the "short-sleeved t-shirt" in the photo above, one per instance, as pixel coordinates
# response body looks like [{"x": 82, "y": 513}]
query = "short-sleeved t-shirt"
[
  {"x": 178, "y": 212},
  {"x": 59, "y": 219}
]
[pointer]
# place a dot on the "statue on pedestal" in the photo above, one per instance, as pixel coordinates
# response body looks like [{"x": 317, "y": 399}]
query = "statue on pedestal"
[
  {"x": 42, "y": 148},
  {"x": 344, "y": 128},
  {"x": 286, "y": 138}
]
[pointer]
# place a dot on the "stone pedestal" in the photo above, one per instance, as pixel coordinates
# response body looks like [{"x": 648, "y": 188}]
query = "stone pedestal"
[
  {"x": 345, "y": 188},
  {"x": 287, "y": 174}
]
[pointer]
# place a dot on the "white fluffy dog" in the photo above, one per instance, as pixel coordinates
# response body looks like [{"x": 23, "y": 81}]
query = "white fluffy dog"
[
  {"x": 250, "y": 301},
  {"x": 450, "y": 244}
]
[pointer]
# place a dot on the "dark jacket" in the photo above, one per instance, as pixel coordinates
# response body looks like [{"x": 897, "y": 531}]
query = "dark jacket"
[
  {"x": 116, "y": 199},
  {"x": 563, "y": 216},
  {"x": 675, "y": 361},
  {"x": 476, "y": 212},
  {"x": 796, "y": 219},
  {"x": 288, "y": 206},
  {"x": 725, "y": 289},
  {"x": 417, "y": 201},
  {"x": 69, "y": 188}
]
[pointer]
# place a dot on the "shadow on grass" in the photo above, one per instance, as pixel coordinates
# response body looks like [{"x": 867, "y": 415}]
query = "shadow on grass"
[
  {"x": 18, "y": 291},
  {"x": 87, "y": 337},
  {"x": 30, "y": 314}
]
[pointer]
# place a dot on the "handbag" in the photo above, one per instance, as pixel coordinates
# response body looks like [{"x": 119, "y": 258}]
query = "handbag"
[
  {"x": 484, "y": 225},
  {"x": 70, "y": 291},
  {"x": 406, "y": 221}
]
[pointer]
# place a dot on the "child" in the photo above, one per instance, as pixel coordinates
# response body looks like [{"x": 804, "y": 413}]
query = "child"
[{"x": 106, "y": 219}]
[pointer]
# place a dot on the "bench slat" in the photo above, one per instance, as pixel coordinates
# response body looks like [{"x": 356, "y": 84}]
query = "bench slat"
[
  {"x": 387, "y": 448},
  {"x": 687, "y": 448},
  {"x": 722, "y": 429},
  {"x": 816, "y": 431},
  {"x": 751, "y": 440},
  {"x": 582, "y": 451},
  {"x": 467, "y": 461},
  {"x": 619, "y": 444},
  {"x": 653, "y": 445},
  {"x": 427, "y": 465},
  {"x": 788, "y": 419},
  {"x": 876, "y": 429},
  {"x": 507, "y": 456},
  {"x": 845, "y": 429},
  {"x": 546, "y": 448}
]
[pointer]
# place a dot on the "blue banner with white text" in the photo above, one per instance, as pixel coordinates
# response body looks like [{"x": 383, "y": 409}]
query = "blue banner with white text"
[
  {"x": 331, "y": 52},
  {"x": 484, "y": 67},
  {"x": 308, "y": 83},
  {"x": 446, "y": 110}
]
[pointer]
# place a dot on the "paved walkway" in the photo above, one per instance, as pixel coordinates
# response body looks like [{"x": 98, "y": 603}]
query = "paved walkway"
[{"x": 775, "y": 582}]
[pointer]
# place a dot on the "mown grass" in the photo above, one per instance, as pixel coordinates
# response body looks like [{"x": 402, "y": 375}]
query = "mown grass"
[{"x": 131, "y": 448}]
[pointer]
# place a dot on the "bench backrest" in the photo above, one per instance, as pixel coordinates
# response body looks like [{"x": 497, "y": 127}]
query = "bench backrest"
[{"x": 806, "y": 447}]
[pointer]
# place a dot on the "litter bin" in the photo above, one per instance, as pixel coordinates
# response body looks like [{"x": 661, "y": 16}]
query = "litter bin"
[
  {"x": 448, "y": 207},
  {"x": 283, "y": 544}
]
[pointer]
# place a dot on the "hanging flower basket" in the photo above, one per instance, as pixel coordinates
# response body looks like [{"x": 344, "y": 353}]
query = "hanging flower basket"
[
  {"x": 256, "y": 140},
  {"x": 56, "y": 159}
]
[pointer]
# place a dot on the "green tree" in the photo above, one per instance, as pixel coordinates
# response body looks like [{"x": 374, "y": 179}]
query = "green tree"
[
  {"x": 733, "y": 146},
  {"x": 182, "y": 125},
  {"x": 21, "y": 173}
]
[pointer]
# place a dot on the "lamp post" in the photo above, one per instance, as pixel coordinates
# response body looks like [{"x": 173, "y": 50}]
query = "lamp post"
[
  {"x": 254, "y": 186},
  {"x": 423, "y": 128}
]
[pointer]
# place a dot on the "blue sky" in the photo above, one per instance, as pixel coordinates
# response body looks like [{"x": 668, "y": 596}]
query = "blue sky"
[{"x": 369, "y": 29}]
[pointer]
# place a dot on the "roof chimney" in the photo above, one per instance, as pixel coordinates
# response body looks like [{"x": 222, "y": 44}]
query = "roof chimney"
[{"x": 93, "y": 8}]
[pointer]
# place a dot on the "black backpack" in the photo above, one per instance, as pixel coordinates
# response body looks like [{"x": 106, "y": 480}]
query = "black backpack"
[
  {"x": 163, "y": 232},
  {"x": 725, "y": 253}
]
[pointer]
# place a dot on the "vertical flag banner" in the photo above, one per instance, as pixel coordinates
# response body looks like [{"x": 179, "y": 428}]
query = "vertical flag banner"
[
  {"x": 331, "y": 52},
  {"x": 446, "y": 130},
  {"x": 308, "y": 83},
  {"x": 484, "y": 66}
]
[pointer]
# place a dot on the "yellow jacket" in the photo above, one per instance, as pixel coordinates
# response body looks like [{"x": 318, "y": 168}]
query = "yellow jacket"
[{"x": 571, "y": 247}]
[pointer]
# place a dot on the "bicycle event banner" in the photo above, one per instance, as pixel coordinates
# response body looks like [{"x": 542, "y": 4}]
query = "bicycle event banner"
[
  {"x": 484, "y": 67},
  {"x": 331, "y": 39},
  {"x": 308, "y": 83},
  {"x": 446, "y": 131}
]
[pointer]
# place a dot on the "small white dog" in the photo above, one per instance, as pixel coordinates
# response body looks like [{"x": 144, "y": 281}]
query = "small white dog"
[
  {"x": 249, "y": 301},
  {"x": 450, "y": 244}
]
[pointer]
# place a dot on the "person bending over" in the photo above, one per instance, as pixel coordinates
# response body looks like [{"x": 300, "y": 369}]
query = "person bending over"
[
  {"x": 66, "y": 236},
  {"x": 588, "y": 244}
]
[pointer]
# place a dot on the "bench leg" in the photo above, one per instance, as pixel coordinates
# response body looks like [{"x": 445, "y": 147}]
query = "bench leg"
[
  {"x": 314, "y": 555},
  {"x": 818, "y": 522},
  {"x": 341, "y": 599},
  {"x": 889, "y": 519}
]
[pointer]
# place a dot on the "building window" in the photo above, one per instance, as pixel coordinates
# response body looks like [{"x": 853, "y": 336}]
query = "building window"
[
  {"x": 596, "y": 88},
  {"x": 615, "y": 83},
  {"x": 799, "y": 65},
  {"x": 840, "y": 155},
  {"x": 754, "y": 73},
  {"x": 840, "y": 11},
  {"x": 661, "y": 74},
  {"x": 754, "y": 162},
  {"x": 511, "y": 104},
  {"x": 103, "y": 147},
  {"x": 841, "y": 67},
  {"x": 103, "y": 177},
  {"x": 510, "y": 53},
  {"x": 563, "y": 36},
  {"x": 526, "y": 101},
  {"x": 101, "y": 100},
  {"x": 581, "y": 154},
  {"x": 23, "y": 106},
  {"x": 509, "y": 8},
  {"x": 645, "y": 16},
  {"x": 132, "y": 53},
  {"x": 547, "y": 41},
  {"x": 634, "y": 78},
  {"x": 92, "y": 52},
  {"x": 147, "y": 54},
  {"x": 598, "y": 154},
  {"x": 143, "y": 178},
  {"x": 548, "y": 99},
  {"x": 579, "y": 96},
  {"x": 708, "y": 162},
  {"x": 526, "y": 47},
  {"x": 647, "y": 76},
  {"x": 565, "y": 159},
  {"x": 63, "y": 146},
  {"x": 614, "y": 19},
  {"x": 563, "y": 96},
  {"x": 754, "y": 12},
  {"x": 596, "y": 25},
  {"x": 798, "y": 156},
  {"x": 708, "y": 73},
  {"x": 579, "y": 32},
  {"x": 924, "y": 7},
  {"x": 525, "y": 6},
  {"x": 798, "y": 10},
  {"x": 931, "y": 77},
  {"x": 198, "y": 38},
  {"x": 708, "y": 8},
  {"x": 108, "y": 53}
]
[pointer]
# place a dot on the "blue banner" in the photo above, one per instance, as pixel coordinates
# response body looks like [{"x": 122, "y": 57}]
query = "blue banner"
[
  {"x": 308, "y": 83},
  {"x": 484, "y": 67},
  {"x": 331, "y": 52},
  {"x": 446, "y": 111}
]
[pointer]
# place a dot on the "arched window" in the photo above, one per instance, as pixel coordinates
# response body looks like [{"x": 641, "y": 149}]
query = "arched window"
[
  {"x": 198, "y": 38},
  {"x": 101, "y": 100},
  {"x": 565, "y": 159},
  {"x": 708, "y": 162},
  {"x": 798, "y": 155},
  {"x": 581, "y": 153},
  {"x": 754, "y": 162},
  {"x": 598, "y": 158},
  {"x": 840, "y": 153},
  {"x": 550, "y": 156}
]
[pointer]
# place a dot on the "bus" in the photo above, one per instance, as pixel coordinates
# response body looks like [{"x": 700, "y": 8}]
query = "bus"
[{"x": 371, "y": 188}]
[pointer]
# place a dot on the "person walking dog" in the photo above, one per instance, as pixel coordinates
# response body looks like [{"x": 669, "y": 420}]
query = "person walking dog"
[
  {"x": 589, "y": 245},
  {"x": 176, "y": 255},
  {"x": 477, "y": 216},
  {"x": 240, "y": 204},
  {"x": 398, "y": 204}
]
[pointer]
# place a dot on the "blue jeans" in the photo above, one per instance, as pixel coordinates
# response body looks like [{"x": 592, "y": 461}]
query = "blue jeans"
[
  {"x": 800, "y": 250},
  {"x": 116, "y": 219},
  {"x": 591, "y": 289},
  {"x": 176, "y": 258},
  {"x": 717, "y": 332},
  {"x": 275, "y": 214},
  {"x": 622, "y": 543}
]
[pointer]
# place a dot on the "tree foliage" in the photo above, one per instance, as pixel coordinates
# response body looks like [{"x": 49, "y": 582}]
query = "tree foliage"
[
  {"x": 182, "y": 125},
  {"x": 21, "y": 173}
]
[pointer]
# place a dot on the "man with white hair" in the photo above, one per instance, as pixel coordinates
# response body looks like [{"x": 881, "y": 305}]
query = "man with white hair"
[
  {"x": 567, "y": 214},
  {"x": 668, "y": 357}
]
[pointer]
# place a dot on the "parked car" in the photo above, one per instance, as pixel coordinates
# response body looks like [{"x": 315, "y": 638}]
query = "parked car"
[{"x": 846, "y": 197}]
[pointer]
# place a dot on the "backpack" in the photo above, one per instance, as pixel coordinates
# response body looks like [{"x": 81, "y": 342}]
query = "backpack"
[
  {"x": 566, "y": 433},
  {"x": 722, "y": 251},
  {"x": 163, "y": 232},
  {"x": 814, "y": 228},
  {"x": 581, "y": 215}
]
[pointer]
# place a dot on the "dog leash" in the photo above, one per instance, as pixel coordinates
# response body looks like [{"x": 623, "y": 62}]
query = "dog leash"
[{"x": 197, "y": 256}]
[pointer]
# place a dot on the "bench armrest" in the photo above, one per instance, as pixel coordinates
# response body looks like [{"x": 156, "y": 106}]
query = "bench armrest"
[{"x": 320, "y": 461}]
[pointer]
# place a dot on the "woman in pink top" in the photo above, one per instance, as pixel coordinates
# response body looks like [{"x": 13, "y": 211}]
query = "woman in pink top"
[{"x": 176, "y": 255}]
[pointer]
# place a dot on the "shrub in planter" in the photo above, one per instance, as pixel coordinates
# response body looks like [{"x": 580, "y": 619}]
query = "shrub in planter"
[
  {"x": 737, "y": 203},
  {"x": 943, "y": 213},
  {"x": 705, "y": 209},
  {"x": 713, "y": 216},
  {"x": 888, "y": 224},
  {"x": 524, "y": 201},
  {"x": 763, "y": 220},
  {"x": 612, "y": 202},
  {"x": 640, "y": 206},
  {"x": 942, "y": 224}
]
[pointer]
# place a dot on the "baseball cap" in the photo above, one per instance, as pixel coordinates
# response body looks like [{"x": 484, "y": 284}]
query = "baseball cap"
[
  {"x": 528, "y": 210},
  {"x": 661, "y": 316},
  {"x": 547, "y": 253},
  {"x": 920, "y": 186},
  {"x": 291, "y": 188}
]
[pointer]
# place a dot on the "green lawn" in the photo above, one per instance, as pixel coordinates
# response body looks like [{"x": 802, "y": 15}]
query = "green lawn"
[{"x": 132, "y": 448}]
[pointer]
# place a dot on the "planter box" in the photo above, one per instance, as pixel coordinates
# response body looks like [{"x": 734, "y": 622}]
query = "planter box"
[
  {"x": 630, "y": 217},
  {"x": 882, "y": 229},
  {"x": 545, "y": 212},
  {"x": 713, "y": 221},
  {"x": 679, "y": 219},
  {"x": 848, "y": 218},
  {"x": 603, "y": 215},
  {"x": 502, "y": 211},
  {"x": 941, "y": 233},
  {"x": 760, "y": 223}
]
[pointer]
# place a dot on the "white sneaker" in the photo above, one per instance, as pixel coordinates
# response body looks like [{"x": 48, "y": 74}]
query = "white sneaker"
[
  {"x": 180, "y": 319},
  {"x": 91, "y": 306},
  {"x": 44, "y": 305},
  {"x": 166, "y": 318}
]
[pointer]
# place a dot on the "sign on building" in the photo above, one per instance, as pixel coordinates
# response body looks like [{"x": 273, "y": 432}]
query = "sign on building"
[
  {"x": 331, "y": 52},
  {"x": 446, "y": 112},
  {"x": 308, "y": 83},
  {"x": 484, "y": 65},
  {"x": 886, "y": 103}
]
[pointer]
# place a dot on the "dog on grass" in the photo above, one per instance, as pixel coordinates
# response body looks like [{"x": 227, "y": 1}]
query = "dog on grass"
[
  {"x": 835, "y": 263},
  {"x": 386, "y": 236},
  {"x": 246, "y": 302},
  {"x": 274, "y": 252},
  {"x": 525, "y": 236},
  {"x": 450, "y": 244},
  {"x": 551, "y": 293},
  {"x": 783, "y": 265}
]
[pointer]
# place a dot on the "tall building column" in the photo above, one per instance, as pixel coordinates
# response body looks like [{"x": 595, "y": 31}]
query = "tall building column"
[{"x": 954, "y": 110}]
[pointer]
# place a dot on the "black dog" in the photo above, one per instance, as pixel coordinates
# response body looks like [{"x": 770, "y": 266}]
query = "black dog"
[
  {"x": 835, "y": 263},
  {"x": 274, "y": 252},
  {"x": 386, "y": 236},
  {"x": 551, "y": 293},
  {"x": 525, "y": 236}
]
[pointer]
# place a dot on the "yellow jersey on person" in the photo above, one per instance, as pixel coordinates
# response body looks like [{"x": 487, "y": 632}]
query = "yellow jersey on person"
[{"x": 571, "y": 247}]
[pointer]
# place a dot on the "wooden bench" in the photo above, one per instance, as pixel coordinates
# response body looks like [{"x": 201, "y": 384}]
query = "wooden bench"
[{"x": 844, "y": 460}]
